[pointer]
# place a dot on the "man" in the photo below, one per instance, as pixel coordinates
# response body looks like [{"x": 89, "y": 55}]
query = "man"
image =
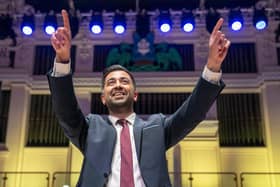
[{"x": 122, "y": 150}]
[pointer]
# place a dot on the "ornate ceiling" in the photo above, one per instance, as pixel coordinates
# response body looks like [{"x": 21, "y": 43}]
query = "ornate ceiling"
[{"x": 125, "y": 5}]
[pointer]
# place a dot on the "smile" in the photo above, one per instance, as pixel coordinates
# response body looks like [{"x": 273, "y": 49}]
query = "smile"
[{"x": 118, "y": 94}]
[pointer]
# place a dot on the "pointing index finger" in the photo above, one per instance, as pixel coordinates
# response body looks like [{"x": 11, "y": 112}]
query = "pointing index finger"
[
  {"x": 66, "y": 22},
  {"x": 218, "y": 25}
]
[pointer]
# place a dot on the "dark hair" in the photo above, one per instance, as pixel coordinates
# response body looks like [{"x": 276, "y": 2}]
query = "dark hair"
[{"x": 116, "y": 67}]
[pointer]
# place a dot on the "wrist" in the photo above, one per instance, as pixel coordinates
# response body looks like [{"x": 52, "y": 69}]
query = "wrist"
[
  {"x": 62, "y": 60},
  {"x": 213, "y": 66}
]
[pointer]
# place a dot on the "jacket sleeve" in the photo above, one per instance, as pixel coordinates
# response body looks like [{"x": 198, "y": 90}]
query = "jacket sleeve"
[
  {"x": 191, "y": 112},
  {"x": 67, "y": 111}
]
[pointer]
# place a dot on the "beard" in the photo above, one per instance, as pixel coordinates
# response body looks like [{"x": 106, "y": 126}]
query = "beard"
[{"x": 120, "y": 103}]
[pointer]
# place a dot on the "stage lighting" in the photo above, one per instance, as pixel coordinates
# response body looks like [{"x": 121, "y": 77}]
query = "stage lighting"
[
  {"x": 96, "y": 24},
  {"x": 187, "y": 21},
  {"x": 74, "y": 23},
  {"x": 164, "y": 22},
  {"x": 142, "y": 24},
  {"x": 235, "y": 20},
  {"x": 260, "y": 20},
  {"x": 119, "y": 23},
  {"x": 28, "y": 24},
  {"x": 50, "y": 24},
  {"x": 6, "y": 28},
  {"x": 211, "y": 19}
]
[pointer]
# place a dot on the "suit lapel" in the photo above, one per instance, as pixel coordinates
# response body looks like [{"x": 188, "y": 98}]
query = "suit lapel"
[{"x": 137, "y": 131}]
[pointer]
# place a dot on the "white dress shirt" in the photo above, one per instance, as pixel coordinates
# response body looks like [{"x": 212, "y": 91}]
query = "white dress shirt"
[{"x": 114, "y": 178}]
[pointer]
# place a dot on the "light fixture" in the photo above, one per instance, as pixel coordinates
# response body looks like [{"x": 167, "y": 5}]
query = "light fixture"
[
  {"x": 187, "y": 21},
  {"x": 6, "y": 28},
  {"x": 119, "y": 23},
  {"x": 74, "y": 23},
  {"x": 6, "y": 25},
  {"x": 142, "y": 23},
  {"x": 164, "y": 22},
  {"x": 50, "y": 24},
  {"x": 260, "y": 20},
  {"x": 28, "y": 24},
  {"x": 96, "y": 24},
  {"x": 235, "y": 20},
  {"x": 211, "y": 19}
]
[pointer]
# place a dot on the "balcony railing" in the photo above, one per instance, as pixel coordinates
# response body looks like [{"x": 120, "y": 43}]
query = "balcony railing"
[
  {"x": 255, "y": 179},
  {"x": 188, "y": 179},
  {"x": 65, "y": 179},
  {"x": 24, "y": 179},
  {"x": 204, "y": 179},
  {"x": 178, "y": 179}
]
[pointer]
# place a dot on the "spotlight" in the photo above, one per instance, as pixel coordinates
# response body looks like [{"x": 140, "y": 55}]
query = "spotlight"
[
  {"x": 211, "y": 19},
  {"x": 260, "y": 19},
  {"x": 6, "y": 28},
  {"x": 142, "y": 24},
  {"x": 119, "y": 23},
  {"x": 28, "y": 25},
  {"x": 187, "y": 21},
  {"x": 96, "y": 24},
  {"x": 74, "y": 23},
  {"x": 6, "y": 23},
  {"x": 164, "y": 22},
  {"x": 50, "y": 24},
  {"x": 235, "y": 20}
]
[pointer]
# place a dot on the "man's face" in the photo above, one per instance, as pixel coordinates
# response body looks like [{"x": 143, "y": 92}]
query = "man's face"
[{"x": 119, "y": 91}]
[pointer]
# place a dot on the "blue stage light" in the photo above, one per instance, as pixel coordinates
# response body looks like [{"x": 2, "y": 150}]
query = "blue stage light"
[
  {"x": 235, "y": 20},
  {"x": 119, "y": 29},
  {"x": 236, "y": 25},
  {"x": 27, "y": 30},
  {"x": 260, "y": 20},
  {"x": 119, "y": 23},
  {"x": 165, "y": 27},
  {"x": 187, "y": 21},
  {"x": 96, "y": 29},
  {"x": 50, "y": 24},
  {"x": 49, "y": 29},
  {"x": 188, "y": 27},
  {"x": 28, "y": 25},
  {"x": 164, "y": 22},
  {"x": 96, "y": 24},
  {"x": 260, "y": 25}
]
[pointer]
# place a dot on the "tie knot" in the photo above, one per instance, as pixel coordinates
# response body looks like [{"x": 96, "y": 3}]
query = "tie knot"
[{"x": 122, "y": 122}]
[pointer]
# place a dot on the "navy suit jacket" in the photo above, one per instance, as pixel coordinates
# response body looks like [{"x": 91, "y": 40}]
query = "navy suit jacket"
[{"x": 95, "y": 136}]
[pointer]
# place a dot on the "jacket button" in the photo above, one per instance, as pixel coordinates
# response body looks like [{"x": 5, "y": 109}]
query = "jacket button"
[{"x": 105, "y": 175}]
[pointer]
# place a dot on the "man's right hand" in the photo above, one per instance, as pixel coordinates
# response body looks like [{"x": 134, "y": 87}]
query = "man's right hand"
[{"x": 61, "y": 40}]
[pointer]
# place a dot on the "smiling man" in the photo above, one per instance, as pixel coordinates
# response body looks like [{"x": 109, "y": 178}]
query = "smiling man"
[{"x": 121, "y": 149}]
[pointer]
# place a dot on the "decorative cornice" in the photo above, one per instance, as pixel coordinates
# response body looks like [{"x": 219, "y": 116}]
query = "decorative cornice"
[{"x": 151, "y": 80}]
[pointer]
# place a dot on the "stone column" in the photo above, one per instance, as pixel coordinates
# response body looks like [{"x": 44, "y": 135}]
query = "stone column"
[
  {"x": 271, "y": 103},
  {"x": 17, "y": 127},
  {"x": 177, "y": 166}
]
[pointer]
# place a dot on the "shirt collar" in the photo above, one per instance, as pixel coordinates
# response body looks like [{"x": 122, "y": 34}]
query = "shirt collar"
[{"x": 130, "y": 119}]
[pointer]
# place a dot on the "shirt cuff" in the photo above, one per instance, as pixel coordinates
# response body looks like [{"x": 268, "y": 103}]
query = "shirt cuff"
[
  {"x": 61, "y": 69},
  {"x": 210, "y": 76}
]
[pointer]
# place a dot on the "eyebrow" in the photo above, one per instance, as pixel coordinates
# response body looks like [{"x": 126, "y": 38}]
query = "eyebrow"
[{"x": 121, "y": 78}]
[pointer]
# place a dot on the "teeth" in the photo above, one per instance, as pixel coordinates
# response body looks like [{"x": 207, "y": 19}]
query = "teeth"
[{"x": 118, "y": 93}]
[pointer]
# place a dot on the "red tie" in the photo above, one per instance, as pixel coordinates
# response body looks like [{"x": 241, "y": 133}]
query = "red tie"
[{"x": 126, "y": 156}]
